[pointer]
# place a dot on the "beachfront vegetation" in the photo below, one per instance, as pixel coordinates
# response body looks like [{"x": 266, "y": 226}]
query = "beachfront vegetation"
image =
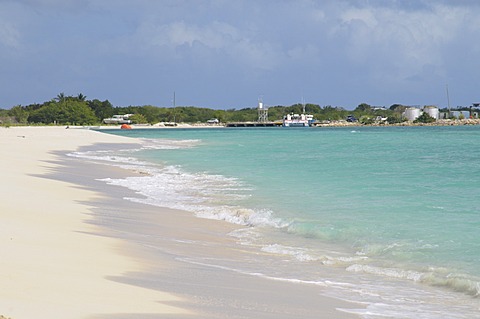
[
  {"x": 424, "y": 118},
  {"x": 69, "y": 111},
  {"x": 78, "y": 110}
]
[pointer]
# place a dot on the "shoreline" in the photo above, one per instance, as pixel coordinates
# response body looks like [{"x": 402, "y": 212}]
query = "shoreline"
[
  {"x": 72, "y": 221},
  {"x": 342, "y": 123}
]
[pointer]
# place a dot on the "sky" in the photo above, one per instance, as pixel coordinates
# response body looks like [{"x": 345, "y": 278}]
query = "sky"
[{"x": 228, "y": 54}]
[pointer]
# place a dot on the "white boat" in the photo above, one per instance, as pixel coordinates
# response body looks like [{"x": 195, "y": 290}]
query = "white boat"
[
  {"x": 213, "y": 121},
  {"x": 118, "y": 119},
  {"x": 298, "y": 120}
]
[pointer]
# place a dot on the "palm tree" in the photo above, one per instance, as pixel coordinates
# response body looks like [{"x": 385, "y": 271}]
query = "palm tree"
[{"x": 60, "y": 97}]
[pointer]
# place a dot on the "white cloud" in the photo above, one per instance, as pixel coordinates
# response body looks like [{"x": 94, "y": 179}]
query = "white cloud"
[
  {"x": 165, "y": 40},
  {"x": 361, "y": 46},
  {"x": 365, "y": 15},
  {"x": 401, "y": 42},
  {"x": 215, "y": 35}
]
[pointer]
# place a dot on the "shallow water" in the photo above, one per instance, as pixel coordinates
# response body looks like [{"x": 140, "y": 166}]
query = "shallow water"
[{"x": 385, "y": 216}]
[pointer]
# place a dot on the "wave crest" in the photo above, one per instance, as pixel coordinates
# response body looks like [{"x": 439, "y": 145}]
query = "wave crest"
[{"x": 456, "y": 282}]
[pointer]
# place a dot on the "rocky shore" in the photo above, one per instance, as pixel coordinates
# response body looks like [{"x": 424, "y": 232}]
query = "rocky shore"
[{"x": 443, "y": 122}]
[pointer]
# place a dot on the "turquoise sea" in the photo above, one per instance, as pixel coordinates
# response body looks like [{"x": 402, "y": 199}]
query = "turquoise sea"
[{"x": 385, "y": 216}]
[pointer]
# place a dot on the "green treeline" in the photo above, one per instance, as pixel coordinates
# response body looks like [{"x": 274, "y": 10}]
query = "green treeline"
[{"x": 78, "y": 110}]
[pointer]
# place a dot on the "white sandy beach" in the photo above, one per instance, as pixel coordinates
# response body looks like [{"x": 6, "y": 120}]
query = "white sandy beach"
[
  {"x": 56, "y": 263},
  {"x": 51, "y": 267}
]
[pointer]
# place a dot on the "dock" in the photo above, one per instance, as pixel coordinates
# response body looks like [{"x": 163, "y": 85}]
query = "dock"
[{"x": 253, "y": 124}]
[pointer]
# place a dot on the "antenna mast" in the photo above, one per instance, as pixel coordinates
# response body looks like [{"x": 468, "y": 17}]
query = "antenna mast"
[
  {"x": 448, "y": 99},
  {"x": 174, "y": 110}
]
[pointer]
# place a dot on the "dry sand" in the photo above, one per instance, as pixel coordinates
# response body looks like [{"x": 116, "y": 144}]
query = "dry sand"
[
  {"x": 51, "y": 267},
  {"x": 60, "y": 261}
]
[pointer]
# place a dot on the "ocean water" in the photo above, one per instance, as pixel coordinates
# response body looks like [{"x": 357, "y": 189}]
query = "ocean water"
[{"x": 385, "y": 216}]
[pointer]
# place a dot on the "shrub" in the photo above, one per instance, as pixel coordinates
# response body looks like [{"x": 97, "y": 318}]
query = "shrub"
[{"x": 424, "y": 118}]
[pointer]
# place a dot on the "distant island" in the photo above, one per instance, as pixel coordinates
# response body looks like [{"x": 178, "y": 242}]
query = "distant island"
[{"x": 78, "y": 110}]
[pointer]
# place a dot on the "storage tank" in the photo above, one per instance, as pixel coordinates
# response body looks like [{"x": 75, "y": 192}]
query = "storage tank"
[
  {"x": 466, "y": 114},
  {"x": 412, "y": 113},
  {"x": 432, "y": 111},
  {"x": 454, "y": 114}
]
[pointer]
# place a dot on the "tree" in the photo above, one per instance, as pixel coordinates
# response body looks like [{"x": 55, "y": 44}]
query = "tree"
[
  {"x": 138, "y": 119},
  {"x": 60, "y": 97},
  {"x": 330, "y": 113},
  {"x": 19, "y": 113},
  {"x": 424, "y": 118},
  {"x": 364, "y": 107},
  {"x": 395, "y": 118},
  {"x": 66, "y": 112},
  {"x": 33, "y": 107},
  {"x": 151, "y": 113},
  {"x": 101, "y": 109}
]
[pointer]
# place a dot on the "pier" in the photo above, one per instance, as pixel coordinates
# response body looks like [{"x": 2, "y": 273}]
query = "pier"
[{"x": 253, "y": 124}]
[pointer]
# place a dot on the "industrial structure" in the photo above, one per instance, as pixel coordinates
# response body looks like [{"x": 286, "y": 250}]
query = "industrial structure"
[
  {"x": 412, "y": 113},
  {"x": 262, "y": 112}
]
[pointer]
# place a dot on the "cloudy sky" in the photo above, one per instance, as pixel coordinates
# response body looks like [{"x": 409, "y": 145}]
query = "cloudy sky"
[{"x": 227, "y": 54}]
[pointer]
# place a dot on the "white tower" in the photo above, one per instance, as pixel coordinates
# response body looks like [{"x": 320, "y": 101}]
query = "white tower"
[{"x": 262, "y": 112}]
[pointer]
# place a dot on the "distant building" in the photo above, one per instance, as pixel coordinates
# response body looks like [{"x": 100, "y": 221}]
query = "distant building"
[
  {"x": 459, "y": 114},
  {"x": 432, "y": 111},
  {"x": 466, "y": 114},
  {"x": 412, "y": 113},
  {"x": 454, "y": 114}
]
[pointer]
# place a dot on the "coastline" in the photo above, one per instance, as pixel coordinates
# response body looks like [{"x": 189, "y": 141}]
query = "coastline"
[
  {"x": 447, "y": 122},
  {"x": 70, "y": 254},
  {"x": 341, "y": 123}
]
